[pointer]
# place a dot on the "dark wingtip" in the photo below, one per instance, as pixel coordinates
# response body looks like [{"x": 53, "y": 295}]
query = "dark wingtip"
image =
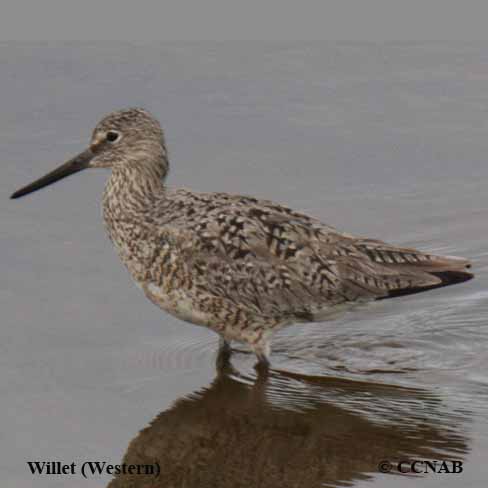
[
  {"x": 453, "y": 277},
  {"x": 447, "y": 278}
]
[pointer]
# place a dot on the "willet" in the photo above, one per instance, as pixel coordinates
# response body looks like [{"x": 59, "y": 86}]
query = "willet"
[{"x": 241, "y": 266}]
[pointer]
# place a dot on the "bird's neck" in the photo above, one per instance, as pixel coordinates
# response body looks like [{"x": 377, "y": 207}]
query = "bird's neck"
[
  {"x": 131, "y": 190},
  {"x": 130, "y": 198}
]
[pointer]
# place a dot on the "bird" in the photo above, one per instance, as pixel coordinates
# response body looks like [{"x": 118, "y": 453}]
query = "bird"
[{"x": 241, "y": 266}]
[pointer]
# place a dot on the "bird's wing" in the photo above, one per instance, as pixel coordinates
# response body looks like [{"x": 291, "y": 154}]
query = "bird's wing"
[{"x": 282, "y": 263}]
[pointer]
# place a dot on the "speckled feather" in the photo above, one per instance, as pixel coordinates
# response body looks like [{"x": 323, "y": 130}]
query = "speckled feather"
[{"x": 236, "y": 264}]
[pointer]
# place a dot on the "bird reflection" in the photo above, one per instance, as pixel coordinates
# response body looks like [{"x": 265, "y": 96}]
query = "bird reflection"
[{"x": 285, "y": 430}]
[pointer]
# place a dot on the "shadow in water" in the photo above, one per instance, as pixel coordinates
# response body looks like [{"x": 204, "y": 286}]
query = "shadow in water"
[{"x": 291, "y": 431}]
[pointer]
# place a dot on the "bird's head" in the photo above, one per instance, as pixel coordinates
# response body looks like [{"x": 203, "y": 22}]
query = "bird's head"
[{"x": 129, "y": 139}]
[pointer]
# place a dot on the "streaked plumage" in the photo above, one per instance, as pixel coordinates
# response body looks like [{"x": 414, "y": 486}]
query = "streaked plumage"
[{"x": 241, "y": 266}]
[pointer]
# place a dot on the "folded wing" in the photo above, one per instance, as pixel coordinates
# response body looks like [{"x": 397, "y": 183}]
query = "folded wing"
[{"x": 284, "y": 264}]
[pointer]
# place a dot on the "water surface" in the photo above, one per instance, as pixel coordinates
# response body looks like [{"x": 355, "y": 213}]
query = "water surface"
[{"x": 383, "y": 140}]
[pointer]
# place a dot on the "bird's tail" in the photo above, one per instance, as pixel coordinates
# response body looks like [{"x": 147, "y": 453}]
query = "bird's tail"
[
  {"x": 447, "y": 270},
  {"x": 406, "y": 271}
]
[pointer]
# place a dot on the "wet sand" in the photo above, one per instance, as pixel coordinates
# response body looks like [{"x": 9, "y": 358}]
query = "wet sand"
[{"x": 383, "y": 140}]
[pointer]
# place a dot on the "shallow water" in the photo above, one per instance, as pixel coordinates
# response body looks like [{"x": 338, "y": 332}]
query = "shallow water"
[{"x": 383, "y": 140}]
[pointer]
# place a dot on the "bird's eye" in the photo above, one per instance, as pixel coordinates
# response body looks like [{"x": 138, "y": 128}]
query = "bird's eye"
[{"x": 112, "y": 136}]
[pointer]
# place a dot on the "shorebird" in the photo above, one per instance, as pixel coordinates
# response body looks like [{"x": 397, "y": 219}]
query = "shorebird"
[{"x": 241, "y": 266}]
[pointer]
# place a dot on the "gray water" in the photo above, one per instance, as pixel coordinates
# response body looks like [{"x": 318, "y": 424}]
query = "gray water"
[{"x": 383, "y": 140}]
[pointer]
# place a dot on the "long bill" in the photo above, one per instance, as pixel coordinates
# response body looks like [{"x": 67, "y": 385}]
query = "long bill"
[{"x": 78, "y": 163}]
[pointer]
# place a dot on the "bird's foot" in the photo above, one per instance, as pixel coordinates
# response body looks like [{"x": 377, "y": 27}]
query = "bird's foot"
[
  {"x": 262, "y": 367},
  {"x": 223, "y": 355},
  {"x": 262, "y": 352}
]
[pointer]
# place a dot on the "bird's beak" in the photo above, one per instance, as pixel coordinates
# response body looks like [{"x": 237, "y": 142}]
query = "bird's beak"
[{"x": 74, "y": 165}]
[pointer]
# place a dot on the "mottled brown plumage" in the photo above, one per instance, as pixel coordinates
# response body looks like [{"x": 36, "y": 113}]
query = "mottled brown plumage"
[{"x": 241, "y": 266}]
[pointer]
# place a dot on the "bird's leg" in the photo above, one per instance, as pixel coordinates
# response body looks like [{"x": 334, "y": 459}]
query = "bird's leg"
[
  {"x": 223, "y": 354},
  {"x": 262, "y": 351},
  {"x": 224, "y": 345},
  {"x": 262, "y": 366}
]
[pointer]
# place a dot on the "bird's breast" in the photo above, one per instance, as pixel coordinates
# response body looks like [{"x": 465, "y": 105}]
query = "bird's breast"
[{"x": 136, "y": 245}]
